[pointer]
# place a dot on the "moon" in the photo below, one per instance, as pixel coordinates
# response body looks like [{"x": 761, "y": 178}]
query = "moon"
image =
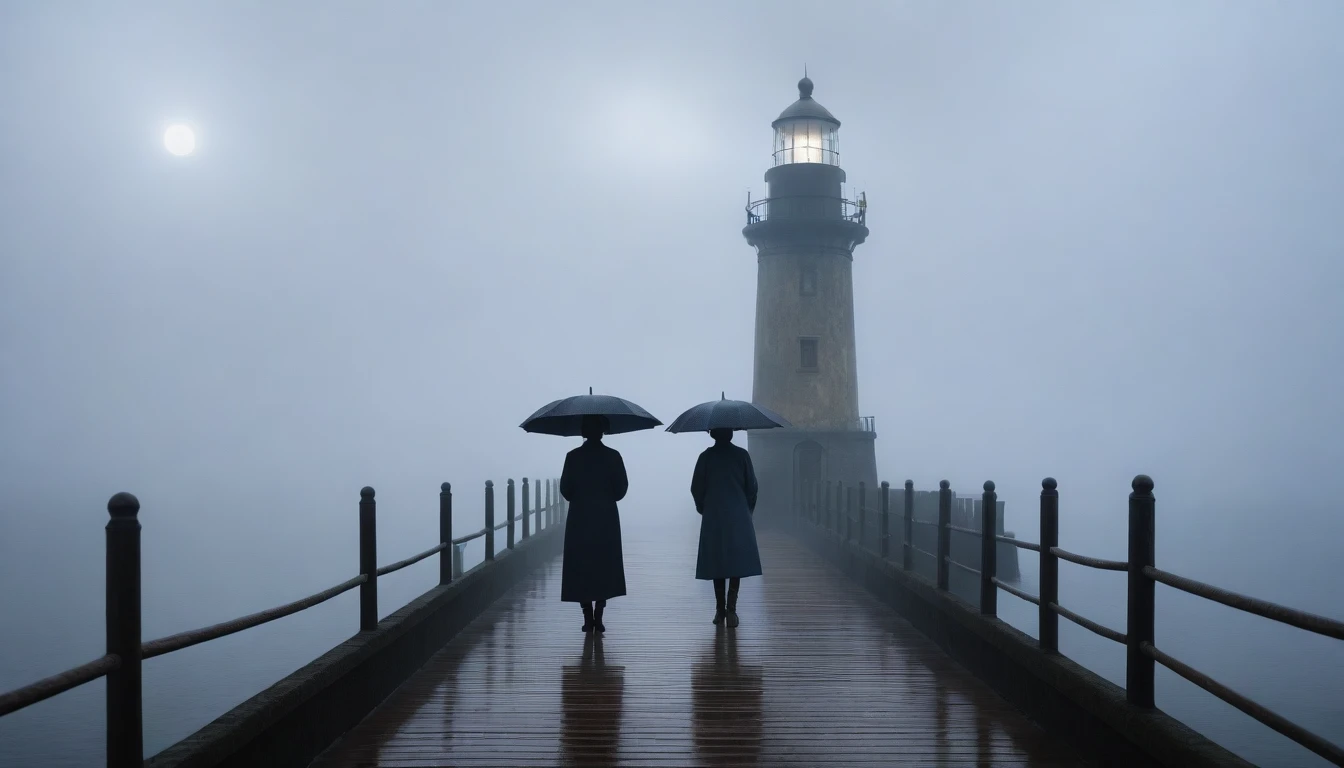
[{"x": 179, "y": 140}]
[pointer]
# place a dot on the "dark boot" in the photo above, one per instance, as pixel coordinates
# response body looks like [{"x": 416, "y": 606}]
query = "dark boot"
[
  {"x": 732, "y": 602},
  {"x": 587, "y": 616},
  {"x": 597, "y": 616},
  {"x": 720, "y": 612}
]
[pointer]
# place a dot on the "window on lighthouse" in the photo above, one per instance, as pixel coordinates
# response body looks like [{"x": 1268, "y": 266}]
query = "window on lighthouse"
[
  {"x": 807, "y": 281},
  {"x": 806, "y": 141},
  {"x": 807, "y": 354}
]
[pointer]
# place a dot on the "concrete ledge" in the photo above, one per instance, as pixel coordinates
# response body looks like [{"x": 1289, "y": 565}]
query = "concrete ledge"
[
  {"x": 1065, "y": 698},
  {"x": 291, "y": 722}
]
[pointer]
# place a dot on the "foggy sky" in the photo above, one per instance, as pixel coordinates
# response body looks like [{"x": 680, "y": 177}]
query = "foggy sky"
[{"x": 1105, "y": 240}]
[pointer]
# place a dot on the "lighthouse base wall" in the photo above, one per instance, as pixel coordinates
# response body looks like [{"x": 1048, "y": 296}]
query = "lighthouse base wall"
[{"x": 787, "y": 459}]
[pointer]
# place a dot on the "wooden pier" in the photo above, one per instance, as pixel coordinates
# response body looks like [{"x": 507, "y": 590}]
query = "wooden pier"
[{"x": 817, "y": 674}]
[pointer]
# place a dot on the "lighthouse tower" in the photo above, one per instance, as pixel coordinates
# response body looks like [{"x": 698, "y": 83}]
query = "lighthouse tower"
[{"x": 805, "y": 233}]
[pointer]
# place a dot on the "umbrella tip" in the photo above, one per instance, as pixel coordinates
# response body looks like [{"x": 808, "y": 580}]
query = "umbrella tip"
[
  {"x": 723, "y": 395},
  {"x": 590, "y": 390}
]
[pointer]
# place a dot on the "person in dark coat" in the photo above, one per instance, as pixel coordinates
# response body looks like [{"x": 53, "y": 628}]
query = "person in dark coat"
[
  {"x": 724, "y": 489},
  {"x": 592, "y": 482}
]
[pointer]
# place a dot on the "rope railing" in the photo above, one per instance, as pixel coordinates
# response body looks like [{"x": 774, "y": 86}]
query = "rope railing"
[
  {"x": 1086, "y": 623},
  {"x": 1311, "y": 622},
  {"x": 215, "y": 631},
  {"x": 125, "y": 650},
  {"x": 963, "y": 567},
  {"x": 1143, "y": 575},
  {"x": 1090, "y": 562},
  {"x": 1012, "y": 590},
  {"x": 57, "y": 684},
  {"x": 413, "y": 559},
  {"x": 1019, "y": 543},
  {"x": 1326, "y": 749},
  {"x": 469, "y": 537}
]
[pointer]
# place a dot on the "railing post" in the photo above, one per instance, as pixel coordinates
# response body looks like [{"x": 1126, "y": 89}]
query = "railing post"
[
  {"x": 526, "y": 527},
  {"x": 446, "y": 533},
  {"x": 839, "y": 527},
  {"x": 944, "y": 535},
  {"x": 125, "y": 731},
  {"x": 839, "y": 507},
  {"x": 1138, "y": 666},
  {"x": 489, "y": 520},
  {"x": 368, "y": 560},
  {"x": 509, "y": 510},
  {"x": 1048, "y": 623},
  {"x": 908, "y": 526},
  {"x": 863, "y": 511},
  {"x": 849, "y": 515},
  {"x": 827, "y": 509},
  {"x": 545, "y": 512},
  {"x": 989, "y": 553},
  {"x": 886, "y": 520}
]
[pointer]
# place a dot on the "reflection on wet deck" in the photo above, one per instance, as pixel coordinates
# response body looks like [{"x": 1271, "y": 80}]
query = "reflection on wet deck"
[{"x": 818, "y": 673}]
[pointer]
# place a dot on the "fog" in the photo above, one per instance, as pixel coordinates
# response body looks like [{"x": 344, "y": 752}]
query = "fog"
[{"x": 1105, "y": 240}]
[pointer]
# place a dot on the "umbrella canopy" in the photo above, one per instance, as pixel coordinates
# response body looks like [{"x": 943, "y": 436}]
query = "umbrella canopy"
[
  {"x": 727, "y": 414},
  {"x": 565, "y": 417}
]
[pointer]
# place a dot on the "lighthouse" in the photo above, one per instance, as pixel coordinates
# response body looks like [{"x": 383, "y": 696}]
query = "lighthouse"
[{"x": 806, "y": 368}]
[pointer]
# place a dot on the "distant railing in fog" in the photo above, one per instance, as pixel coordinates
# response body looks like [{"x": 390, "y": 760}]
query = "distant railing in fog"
[
  {"x": 816, "y": 509},
  {"x": 125, "y": 651},
  {"x": 807, "y": 207}
]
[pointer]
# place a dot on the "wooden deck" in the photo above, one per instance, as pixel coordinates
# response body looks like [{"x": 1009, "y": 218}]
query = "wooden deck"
[{"x": 818, "y": 673}]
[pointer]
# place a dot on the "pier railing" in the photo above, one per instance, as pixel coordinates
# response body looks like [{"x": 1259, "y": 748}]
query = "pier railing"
[
  {"x": 1142, "y": 578},
  {"x": 125, "y": 651}
]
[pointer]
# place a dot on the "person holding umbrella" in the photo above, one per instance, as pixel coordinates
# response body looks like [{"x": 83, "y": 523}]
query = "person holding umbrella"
[
  {"x": 593, "y": 481},
  {"x": 724, "y": 489}
]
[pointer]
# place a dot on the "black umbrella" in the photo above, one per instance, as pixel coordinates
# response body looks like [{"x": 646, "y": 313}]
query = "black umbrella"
[
  {"x": 565, "y": 417},
  {"x": 727, "y": 414}
]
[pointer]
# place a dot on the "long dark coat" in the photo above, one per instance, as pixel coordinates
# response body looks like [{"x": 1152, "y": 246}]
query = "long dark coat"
[
  {"x": 593, "y": 481},
  {"x": 724, "y": 489}
]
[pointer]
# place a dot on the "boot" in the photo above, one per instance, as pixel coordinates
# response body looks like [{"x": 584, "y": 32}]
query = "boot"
[
  {"x": 720, "y": 612},
  {"x": 587, "y": 616},
  {"x": 732, "y": 603},
  {"x": 597, "y": 616}
]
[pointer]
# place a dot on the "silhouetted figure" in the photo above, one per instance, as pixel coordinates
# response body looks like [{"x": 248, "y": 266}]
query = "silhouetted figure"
[
  {"x": 593, "y": 481},
  {"x": 724, "y": 488}
]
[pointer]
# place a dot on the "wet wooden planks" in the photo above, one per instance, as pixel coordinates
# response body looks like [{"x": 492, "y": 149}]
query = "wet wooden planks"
[{"x": 818, "y": 674}]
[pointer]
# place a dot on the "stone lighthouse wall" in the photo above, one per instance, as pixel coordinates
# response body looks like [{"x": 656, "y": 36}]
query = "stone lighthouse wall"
[{"x": 805, "y": 296}]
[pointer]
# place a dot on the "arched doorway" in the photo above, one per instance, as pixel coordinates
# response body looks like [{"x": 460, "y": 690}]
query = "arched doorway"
[{"x": 809, "y": 469}]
